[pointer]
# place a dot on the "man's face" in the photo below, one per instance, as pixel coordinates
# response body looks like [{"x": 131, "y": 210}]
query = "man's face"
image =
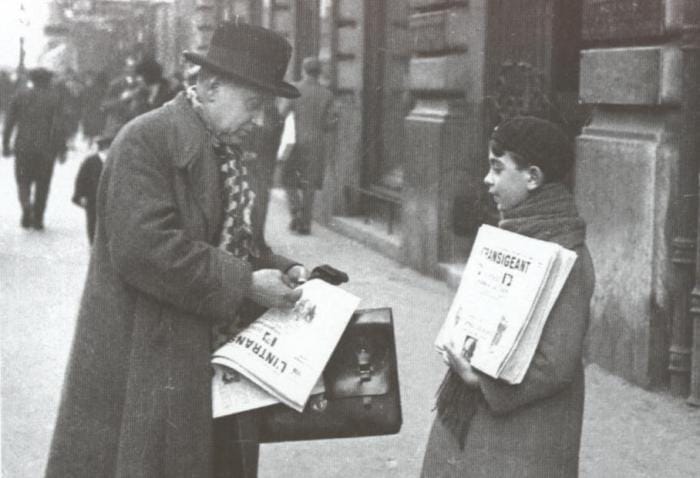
[
  {"x": 508, "y": 183},
  {"x": 232, "y": 109}
]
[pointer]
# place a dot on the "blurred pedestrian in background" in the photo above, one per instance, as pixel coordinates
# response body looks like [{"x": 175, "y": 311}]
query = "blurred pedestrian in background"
[
  {"x": 37, "y": 115},
  {"x": 314, "y": 116},
  {"x": 116, "y": 103},
  {"x": 153, "y": 90},
  {"x": 71, "y": 89},
  {"x": 93, "y": 116},
  {"x": 6, "y": 90}
]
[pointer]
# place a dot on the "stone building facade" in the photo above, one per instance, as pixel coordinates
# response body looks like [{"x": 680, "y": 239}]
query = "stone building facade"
[{"x": 420, "y": 83}]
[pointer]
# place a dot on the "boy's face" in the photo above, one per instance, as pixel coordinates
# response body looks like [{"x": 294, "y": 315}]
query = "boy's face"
[{"x": 508, "y": 183}]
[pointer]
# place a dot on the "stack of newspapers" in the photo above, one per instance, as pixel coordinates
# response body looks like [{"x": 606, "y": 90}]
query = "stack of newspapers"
[
  {"x": 507, "y": 290},
  {"x": 280, "y": 357}
]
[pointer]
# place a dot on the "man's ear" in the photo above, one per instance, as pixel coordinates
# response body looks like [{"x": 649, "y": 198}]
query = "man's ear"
[{"x": 535, "y": 178}]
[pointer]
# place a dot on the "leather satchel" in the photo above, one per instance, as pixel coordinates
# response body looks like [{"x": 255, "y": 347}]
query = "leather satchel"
[{"x": 362, "y": 388}]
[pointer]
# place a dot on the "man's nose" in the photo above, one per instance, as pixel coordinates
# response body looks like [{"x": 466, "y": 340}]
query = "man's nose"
[{"x": 487, "y": 179}]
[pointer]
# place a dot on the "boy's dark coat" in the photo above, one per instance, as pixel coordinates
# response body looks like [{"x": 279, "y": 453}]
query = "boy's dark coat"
[
  {"x": 86, "y": 188},
  {"x": 533, "y": 429},
  {"x": 136, "y": 401}
]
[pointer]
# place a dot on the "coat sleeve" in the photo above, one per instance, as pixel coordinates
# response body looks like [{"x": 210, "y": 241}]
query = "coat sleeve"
[
  {"x": 148, "y": 246},
  {"x": 558, "y": 355},
  {"x": 10, "y": 122}
]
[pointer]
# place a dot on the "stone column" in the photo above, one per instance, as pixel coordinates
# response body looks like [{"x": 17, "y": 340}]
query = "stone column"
[
  {"x": 444, "y": 131},
  {"x": 690, "y": 150},
  {"x": 343, "y": 170},
  {"x": 627, "y": 183}
]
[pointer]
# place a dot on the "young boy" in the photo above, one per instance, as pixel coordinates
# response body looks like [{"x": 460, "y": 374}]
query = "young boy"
[
  {"x": 487, "y": 427},
  {"x": 85, "y": 193}
]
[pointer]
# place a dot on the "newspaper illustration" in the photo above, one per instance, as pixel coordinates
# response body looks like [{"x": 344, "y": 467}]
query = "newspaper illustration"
[
  {"x": 508, "y": 287},
  {"x": 284, "y": 352}
]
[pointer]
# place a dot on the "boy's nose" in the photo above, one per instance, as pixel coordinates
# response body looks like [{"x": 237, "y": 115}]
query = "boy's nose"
[
  {"x": 258, "y": 118},
  {"x": 487, "y": 179}
]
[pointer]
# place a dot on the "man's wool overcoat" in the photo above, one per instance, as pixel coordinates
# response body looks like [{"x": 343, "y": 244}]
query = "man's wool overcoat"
[{"x": 137, "y": 396}]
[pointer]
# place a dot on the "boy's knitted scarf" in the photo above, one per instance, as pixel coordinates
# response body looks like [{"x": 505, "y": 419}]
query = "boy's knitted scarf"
[{"x": 548, "y": 214}]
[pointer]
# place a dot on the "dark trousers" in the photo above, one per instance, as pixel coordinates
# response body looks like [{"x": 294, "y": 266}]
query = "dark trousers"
[
  {"x": 236, "y": 446},
  {"x": 301, "y": 204},
  {"x": 33, "y": 169},
  {"x": 300, "y": 192}
]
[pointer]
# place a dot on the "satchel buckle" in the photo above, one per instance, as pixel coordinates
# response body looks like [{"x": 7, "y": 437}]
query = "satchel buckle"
[
  {"x": 364, "y": 364},
  {"x": 319, "y": 402}
]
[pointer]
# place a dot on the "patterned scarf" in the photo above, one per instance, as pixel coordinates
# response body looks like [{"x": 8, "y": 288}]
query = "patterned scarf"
[
  {"x": 548, "y": 214},
  {"x": 237, "y": 231}
]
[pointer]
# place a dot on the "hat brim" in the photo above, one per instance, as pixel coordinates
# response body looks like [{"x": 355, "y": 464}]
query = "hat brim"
[{"x": 282, "y": 88}]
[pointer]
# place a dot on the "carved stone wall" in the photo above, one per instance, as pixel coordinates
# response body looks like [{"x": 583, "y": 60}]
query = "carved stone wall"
[
  {"x": 444, "y": 130},
  {"x": 626, "y": 179}
]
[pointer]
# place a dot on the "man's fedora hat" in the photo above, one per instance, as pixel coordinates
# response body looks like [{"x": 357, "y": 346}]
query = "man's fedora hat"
[{"x": 250, "y": 54}]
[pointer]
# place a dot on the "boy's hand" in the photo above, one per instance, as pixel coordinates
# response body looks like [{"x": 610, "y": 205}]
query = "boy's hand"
[
  {"x": 269, "y": 289},
  {"x": 460, "y": 365}
]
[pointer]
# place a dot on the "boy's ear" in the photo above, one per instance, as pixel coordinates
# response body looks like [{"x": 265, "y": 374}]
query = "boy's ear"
[
  {"x": 535, "y": 178},
  {"x": 211, "y": 86}
]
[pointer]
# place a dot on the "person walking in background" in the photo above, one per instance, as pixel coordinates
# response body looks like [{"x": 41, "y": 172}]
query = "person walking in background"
[
  {"x": 486, "y": 427},
  {"x": 85, "y": 191},
  {"x": 179, "y": 259},
  {"x": 93, "y": 116},
  {"x": 153, "y": 91},
  {"x": 37, "y": 115},
  {"x": 117, "y": 101},
  {"x": 303, "y": 171},
  {"x": 71, "y": 88}
]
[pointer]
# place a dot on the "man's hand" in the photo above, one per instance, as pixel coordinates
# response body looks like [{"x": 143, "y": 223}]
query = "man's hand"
[
  {"x": 460, "y": 365},
  {"x": 296, "y": 275},
  {"x": 270, "y": 290}
]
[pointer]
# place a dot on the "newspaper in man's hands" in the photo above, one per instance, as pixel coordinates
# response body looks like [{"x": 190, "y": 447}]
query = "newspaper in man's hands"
[
  {"x": 280, "y": 356},
  {"x": 508, "y": 288}
]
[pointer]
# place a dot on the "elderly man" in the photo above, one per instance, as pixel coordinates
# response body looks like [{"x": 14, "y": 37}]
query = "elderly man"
[{"x": 179, "y": 256}]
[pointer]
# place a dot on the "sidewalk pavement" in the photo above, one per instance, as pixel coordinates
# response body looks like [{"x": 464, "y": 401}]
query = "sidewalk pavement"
[{"x": 628, "y": 432}]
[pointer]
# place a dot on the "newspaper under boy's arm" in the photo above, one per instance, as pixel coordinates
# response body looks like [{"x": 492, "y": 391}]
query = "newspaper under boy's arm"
[{"x": 558, "y": 354}]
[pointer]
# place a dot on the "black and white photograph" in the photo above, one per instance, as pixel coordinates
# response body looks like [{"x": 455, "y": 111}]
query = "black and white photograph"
[{"x": 177, "y": 173}]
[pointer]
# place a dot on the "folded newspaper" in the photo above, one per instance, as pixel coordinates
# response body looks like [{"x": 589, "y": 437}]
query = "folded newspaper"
[
  {"x": 507, "y": 290},
  {"x": 280, "y": 356}
]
